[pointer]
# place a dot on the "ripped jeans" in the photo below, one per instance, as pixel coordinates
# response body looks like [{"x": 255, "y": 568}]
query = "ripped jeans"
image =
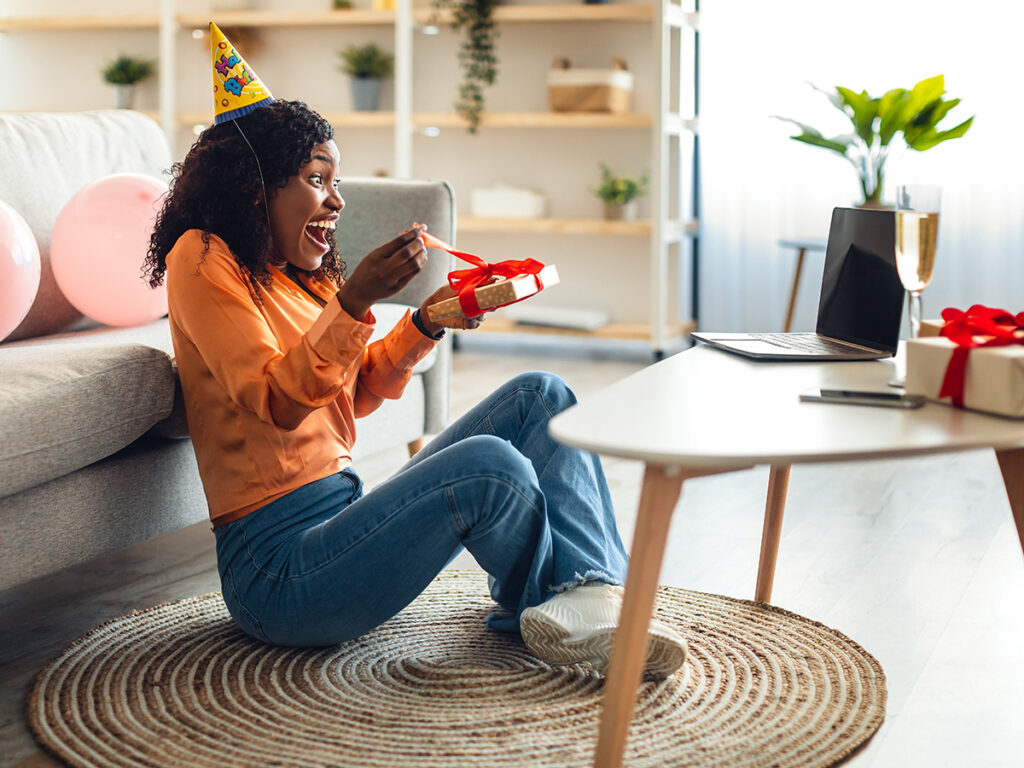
[{"x": 326, "y": 563}]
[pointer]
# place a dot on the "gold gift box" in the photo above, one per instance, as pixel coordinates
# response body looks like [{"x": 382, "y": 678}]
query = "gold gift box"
[{"x": 504, "y": 291}]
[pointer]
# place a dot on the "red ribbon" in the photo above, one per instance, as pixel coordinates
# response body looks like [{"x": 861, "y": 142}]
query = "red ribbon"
[
  {"x": 979, "y": 326},
  {"x": 466, "y": 281}
]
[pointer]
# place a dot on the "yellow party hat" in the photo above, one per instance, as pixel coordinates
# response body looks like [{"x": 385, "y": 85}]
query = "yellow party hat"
[{"x": 237, "y": 90}]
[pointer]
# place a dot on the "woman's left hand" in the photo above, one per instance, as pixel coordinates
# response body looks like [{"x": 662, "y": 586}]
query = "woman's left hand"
[{"x": 459, "y": 322}]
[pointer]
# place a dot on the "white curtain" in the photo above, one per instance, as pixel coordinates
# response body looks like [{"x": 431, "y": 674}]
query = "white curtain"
[{"x": 759, "y": 186}]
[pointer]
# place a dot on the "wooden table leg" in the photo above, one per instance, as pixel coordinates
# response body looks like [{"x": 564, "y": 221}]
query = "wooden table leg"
[
  {"x": 778, "y": 483},
  {"x": 792, "y": 294},
  {"x": 661, "y": 489},
  {"x": 1011, "y": 464}
]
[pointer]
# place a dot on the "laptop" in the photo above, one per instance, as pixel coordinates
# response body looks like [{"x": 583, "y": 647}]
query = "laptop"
[{"x": 861, "y": 302}]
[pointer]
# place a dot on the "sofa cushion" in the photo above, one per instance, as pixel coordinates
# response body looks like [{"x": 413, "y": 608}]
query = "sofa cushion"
[
  {"x": 47, "y": 158},
  {"x": 64, "y": 407}
]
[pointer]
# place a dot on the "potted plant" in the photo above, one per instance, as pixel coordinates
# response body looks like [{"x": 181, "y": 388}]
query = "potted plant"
[
  {"x": 476, "y": 57},
  {"x": 368, "y": 66},
  {"x": 619, "y": 194},
  {"x": 123, "y": 73},
  {"x": 876, "y": 121}
]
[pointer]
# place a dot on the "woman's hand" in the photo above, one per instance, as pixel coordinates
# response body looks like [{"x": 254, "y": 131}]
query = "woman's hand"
[
  {"x": 384, "y": 272},
  {"x": 459, "y": 321}
]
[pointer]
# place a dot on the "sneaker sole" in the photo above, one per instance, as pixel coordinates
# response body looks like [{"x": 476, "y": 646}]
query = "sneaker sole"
[{"x": 548, "y": 641}]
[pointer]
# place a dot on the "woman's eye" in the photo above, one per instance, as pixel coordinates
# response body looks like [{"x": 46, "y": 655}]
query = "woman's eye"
[{"x": 316, "y": 178}]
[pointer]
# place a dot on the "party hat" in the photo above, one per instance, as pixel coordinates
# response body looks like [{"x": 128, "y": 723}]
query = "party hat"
[{"x": 237, "y": 90}]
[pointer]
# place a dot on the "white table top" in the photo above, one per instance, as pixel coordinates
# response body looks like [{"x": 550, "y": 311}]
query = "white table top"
[{"x": 709, "y": 408}]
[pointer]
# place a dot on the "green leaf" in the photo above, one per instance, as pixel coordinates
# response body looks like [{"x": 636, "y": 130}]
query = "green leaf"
[
  {"x": 921, "y": 95},
  {"x": 864, "y": 109},
  {"x": 890, "y": 107},
  {"x": 931, "y": 137},
  {"x": 821, "y": 141}
]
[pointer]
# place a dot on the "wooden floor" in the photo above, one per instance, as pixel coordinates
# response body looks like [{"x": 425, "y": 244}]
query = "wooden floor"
[{"x": 917, "y": 560}]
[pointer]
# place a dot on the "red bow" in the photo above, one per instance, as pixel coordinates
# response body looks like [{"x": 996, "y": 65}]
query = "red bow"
[
  {"x": 979, "y": 326},
  {"x": 466, "y": 281}
]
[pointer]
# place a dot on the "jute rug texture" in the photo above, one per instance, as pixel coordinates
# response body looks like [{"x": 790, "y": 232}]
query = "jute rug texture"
[{"x": 180, "y": 685}]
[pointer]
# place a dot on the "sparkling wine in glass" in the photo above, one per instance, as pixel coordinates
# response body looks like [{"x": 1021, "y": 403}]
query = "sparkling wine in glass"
[{"x": 917, "y": 238}]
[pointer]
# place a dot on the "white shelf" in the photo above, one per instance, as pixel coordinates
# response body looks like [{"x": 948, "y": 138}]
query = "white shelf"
[
  {"x": 79, "y": 23},
  {"x": 551, "y": 226},
  {"x": 354, "y": 17}
]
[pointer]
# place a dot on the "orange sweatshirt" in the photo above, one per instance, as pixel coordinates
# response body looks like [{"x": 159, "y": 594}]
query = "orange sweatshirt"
[{"x": 272, "y": 390}]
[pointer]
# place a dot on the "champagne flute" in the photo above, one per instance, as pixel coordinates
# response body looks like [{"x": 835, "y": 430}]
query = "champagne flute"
[{"x": 917, "y": 238}]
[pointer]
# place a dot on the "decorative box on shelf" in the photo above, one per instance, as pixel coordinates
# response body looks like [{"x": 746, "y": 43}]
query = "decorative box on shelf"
[
  {"x": 993, "y": 378},
  {"x": 503, "y": 201},
  {"x": 589, "y": 90}
]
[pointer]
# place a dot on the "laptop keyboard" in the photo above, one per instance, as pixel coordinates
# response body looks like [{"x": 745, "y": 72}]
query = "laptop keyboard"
[{"x": 805, "y": 342}]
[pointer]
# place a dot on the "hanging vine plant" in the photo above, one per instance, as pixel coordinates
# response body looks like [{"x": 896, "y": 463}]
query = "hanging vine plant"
[{"x": 476, "y": 56}]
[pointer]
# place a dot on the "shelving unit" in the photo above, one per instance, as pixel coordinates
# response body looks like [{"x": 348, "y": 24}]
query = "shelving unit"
[{"x": 671, "y": 228}]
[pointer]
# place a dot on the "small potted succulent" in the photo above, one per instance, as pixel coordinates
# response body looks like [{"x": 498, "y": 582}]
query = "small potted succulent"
[
  {"x": 123, "y": 73},
  {"x": 619, "y": 194},
  {"x": 368, "y": 66}
]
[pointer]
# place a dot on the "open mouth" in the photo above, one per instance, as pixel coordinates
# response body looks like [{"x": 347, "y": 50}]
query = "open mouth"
[{"x": 317, "y": 232}]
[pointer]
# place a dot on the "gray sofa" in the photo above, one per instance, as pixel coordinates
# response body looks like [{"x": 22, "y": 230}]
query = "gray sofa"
[{"x": 94, "y": 448}]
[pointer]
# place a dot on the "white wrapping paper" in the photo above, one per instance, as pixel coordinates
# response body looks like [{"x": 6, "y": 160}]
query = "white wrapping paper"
[{"x": 994, "y": 381}]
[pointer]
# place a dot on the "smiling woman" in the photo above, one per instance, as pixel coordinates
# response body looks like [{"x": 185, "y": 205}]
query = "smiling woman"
[
  {"x": 272, "y": 342},
  {"x": 305, "y": 209}
]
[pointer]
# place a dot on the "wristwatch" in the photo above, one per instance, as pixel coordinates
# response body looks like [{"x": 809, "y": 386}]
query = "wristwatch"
[{"x": 418, "y": 322}]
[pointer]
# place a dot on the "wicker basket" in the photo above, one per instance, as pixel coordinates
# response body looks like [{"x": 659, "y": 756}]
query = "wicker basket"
[{"x": 589, "y": 90}]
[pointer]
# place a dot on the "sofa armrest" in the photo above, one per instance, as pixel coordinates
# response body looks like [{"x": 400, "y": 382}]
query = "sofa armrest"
[{"x": 377, "y": 210}]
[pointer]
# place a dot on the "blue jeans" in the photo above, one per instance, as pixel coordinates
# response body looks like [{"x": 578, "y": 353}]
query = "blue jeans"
[{"x": 326, "y": 563}]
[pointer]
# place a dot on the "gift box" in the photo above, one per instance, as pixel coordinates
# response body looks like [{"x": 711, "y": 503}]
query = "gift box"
[
  {"x": 589, "y": 90},
  {"x": 504, "y": 291},
  {"x": 993, "y": 379}
]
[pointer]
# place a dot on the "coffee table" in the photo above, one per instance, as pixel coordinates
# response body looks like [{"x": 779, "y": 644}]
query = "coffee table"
[{"x": 704, "y": 412}]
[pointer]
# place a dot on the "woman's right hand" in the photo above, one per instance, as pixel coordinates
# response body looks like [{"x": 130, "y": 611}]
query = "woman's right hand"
[{"x": 383, "y": 272}]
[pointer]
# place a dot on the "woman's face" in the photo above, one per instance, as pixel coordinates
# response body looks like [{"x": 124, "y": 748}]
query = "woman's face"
[{"x": 304, "y": 209}]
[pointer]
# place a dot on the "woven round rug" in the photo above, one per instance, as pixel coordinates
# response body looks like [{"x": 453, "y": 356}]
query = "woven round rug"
[{"x": 179, "y": 684}]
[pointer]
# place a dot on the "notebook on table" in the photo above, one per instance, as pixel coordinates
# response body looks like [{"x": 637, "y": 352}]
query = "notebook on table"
[{"x": 860, "y": 306}]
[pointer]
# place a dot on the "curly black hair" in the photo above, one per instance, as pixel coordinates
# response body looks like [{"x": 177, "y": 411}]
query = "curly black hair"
[{"x": 217, "y": 189}]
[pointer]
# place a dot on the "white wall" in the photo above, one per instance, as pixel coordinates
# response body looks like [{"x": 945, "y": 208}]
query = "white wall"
[{"x": 760, "y": 186}]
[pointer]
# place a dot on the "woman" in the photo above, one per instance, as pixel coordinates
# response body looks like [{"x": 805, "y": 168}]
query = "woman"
[{"x": 272, "y": 349}]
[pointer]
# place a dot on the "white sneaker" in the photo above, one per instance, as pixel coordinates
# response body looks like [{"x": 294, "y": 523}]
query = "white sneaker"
[{"x": 579, "y": 625}]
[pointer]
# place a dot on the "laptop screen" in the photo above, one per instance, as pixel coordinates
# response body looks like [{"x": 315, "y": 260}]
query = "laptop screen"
[{"x": 861, "y": 294}]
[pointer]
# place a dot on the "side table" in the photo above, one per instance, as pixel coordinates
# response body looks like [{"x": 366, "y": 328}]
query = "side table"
[{"x": 802, "y": 246}]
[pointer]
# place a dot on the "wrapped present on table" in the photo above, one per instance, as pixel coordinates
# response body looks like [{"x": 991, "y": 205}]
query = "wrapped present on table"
[
  {"x": 488, "y": 286},
  {"x": 977, "y": 362}
]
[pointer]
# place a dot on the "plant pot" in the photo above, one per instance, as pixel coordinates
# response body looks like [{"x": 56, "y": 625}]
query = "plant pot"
[
  {"x": 365, "y": 94},
  {"x": 620, "y": 211},
  {"x": 124, "y": 96},
  {"x": 874, "y": 205}
]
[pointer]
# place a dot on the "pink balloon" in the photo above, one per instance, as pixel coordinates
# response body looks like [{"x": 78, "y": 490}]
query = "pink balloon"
[
  {"x": 98, "y": 247},
  {"x": 19, "y": 269}
]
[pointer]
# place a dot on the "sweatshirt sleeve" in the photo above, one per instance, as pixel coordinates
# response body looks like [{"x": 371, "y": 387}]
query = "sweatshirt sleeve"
[
  {"x": 210, "y": 299},
  {"x": 387, "y": 365}
]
